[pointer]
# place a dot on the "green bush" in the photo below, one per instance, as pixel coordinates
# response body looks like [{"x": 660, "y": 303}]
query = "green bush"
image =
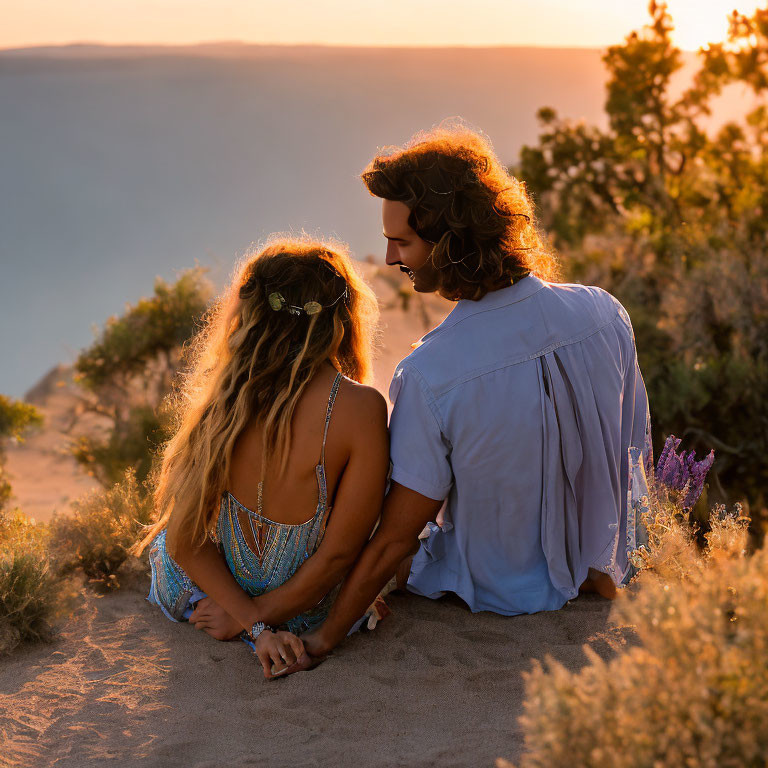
[
  {"x": 132, "y": 442},
  {"x": 127, "y": 373},
  {"x": 32, "y": 595},
  {"x": 17, "y": 416},
  {"x": 94, "y": 537},
  {"x": 694, "y": 690}
]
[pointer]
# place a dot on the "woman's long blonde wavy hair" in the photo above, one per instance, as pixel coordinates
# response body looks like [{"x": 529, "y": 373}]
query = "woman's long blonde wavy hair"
[{"x": 251, "y": 361}]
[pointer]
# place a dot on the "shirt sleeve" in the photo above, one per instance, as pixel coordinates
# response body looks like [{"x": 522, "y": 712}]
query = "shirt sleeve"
[{"x": 419, "y": 450}]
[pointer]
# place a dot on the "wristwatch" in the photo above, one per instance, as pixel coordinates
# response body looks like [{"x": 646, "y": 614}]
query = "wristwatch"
[{"x": 259, "y": 627}]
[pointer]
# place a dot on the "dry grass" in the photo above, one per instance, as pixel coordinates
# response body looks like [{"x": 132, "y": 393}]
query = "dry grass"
[
  {"x": 95, "y": 535},
  {"x": 32, "y": 594},
  {"x": 694, "y": 691},
  {"x": 37, "y": 561}
]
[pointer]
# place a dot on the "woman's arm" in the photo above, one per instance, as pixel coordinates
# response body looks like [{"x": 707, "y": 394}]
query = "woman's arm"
[
  {"x": 362, "y": 424},
  {"x": 208, "y": 569}
]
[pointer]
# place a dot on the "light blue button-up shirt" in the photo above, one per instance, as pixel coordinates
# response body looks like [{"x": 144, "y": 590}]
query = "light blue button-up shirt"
[{"x": 519, "y": 410}]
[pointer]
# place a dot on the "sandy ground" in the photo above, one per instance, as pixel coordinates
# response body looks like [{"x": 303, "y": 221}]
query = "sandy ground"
[
  {"x": 121, "y": 685},
  {"x": 432, "y": 685}
]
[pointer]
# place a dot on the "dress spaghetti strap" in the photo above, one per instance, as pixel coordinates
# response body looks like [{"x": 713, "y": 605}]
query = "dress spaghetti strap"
[{"x": 329, "y": 410}]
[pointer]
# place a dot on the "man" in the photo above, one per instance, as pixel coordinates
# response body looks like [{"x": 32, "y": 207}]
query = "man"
[{"x": 517, "y": 413}]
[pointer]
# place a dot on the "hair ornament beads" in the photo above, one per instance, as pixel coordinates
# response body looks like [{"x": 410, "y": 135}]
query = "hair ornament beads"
[{"x": 278, "y": 303}]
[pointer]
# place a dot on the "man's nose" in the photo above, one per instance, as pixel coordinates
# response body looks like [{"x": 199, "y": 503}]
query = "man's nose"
[{"x": 391, "y": 258}]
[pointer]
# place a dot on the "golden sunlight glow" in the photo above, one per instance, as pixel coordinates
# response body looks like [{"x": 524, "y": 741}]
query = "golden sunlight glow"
[
  {"x": 698, "y": 22},
  {"x": 552, "y": 23}
]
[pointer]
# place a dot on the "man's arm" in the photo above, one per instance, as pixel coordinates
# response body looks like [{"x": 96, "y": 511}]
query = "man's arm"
[{"x": 404, "y": 515}]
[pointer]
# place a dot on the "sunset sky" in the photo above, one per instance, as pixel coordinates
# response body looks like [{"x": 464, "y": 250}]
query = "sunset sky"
[{"x": 566, "y": 23}]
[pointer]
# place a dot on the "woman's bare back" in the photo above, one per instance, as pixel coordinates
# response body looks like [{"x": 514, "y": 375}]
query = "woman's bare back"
[{"x": 292, "y": 499}]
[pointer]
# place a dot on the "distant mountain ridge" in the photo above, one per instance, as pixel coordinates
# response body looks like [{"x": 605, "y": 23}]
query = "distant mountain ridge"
[{"x": 241, "y": 49}]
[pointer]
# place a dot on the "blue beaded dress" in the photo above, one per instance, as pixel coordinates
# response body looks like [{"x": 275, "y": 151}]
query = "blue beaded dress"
[{"x": 281, "y": 549}]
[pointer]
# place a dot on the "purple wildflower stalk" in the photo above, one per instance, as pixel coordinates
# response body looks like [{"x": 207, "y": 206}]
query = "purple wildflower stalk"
[{"x": 681, "y": 472}]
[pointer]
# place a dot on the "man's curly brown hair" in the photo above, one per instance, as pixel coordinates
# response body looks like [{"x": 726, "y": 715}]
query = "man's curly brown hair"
[{"x": 479, "y": 218}]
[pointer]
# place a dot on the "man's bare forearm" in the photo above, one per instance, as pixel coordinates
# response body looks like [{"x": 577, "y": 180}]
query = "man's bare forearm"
[
  {"x": 375, "y": 567},
  {"x": 404, "y": 515},
  {"x": 302, "y": 591}
]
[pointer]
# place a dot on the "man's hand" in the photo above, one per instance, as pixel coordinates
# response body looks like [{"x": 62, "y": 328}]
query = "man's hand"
[
  {"x": 213, "y": 619},
  {"x": 405, "y": 514},
  {"x": 315, "y": 644}
]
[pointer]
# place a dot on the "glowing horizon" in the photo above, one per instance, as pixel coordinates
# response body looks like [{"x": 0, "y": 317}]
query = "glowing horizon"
[{"x": 394, "y": 23}]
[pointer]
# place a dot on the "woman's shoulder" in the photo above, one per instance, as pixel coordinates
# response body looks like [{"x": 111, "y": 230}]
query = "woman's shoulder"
[
  {"x": 360, "y": 405},
  {"x": 360, "y": 397},
  {"x": 361, "y": 417}
]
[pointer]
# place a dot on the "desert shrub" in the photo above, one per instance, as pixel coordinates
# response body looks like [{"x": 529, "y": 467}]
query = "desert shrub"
[
  {"x": 16, "y": 416},
  {"x": 154, "y": 327},
  {"x": 127, "y": 372},
  {"x": 32, "y": 596},
  {"x": 95, "y": 535},
  {"x": 694, "y": 690},
  {"x": 671, "y": 217}
]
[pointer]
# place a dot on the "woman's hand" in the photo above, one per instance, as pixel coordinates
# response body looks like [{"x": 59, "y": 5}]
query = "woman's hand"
[
  {"x": 280, "y": 653},
  {"x": 213, "y": 619}
]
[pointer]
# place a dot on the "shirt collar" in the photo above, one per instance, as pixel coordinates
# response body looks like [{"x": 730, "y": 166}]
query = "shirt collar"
[{"x": 520, "y": 290}]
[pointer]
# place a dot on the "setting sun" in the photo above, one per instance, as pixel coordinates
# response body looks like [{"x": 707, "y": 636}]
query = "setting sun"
[{"x": 698, "y": 23}]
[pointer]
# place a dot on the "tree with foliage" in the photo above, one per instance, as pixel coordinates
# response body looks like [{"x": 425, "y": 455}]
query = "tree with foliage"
[
  {"x": 15, "y": 418},
  {"x": 673, "y": 220},
  {"x": 127, "y": 372}
]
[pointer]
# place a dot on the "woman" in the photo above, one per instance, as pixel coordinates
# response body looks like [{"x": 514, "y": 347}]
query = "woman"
[{"x": 275, "y": 420}]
